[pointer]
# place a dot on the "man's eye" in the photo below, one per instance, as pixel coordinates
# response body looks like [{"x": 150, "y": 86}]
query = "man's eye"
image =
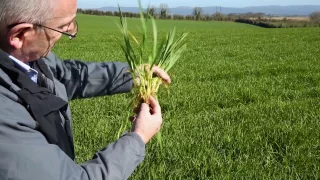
[{"x": 63, "y": 27}]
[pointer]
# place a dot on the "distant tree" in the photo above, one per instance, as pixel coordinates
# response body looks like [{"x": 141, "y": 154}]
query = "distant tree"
[
  {"x": 97, "y": 12},
  {"x": 207, "y": 17},
  {"x": 126, "y": 14},
  {"x": 217, "y": 16},
  {"x": 197, "y": 13},
  {"x": 108, "y": 13},
  {"x": 189, "y": 17},
  {"x": 249, "y": 15},
  {"x": 259, "y": 16},
  {"x": 285, "y": 19},
  {"x": 164, "y": 11},
  {"x": 88, "y": 11},
  {"x": 269, "y": 17},
  {"x": 177, "y": 17},
  {"x": 80, "y": 11},
  {"x": 116, "y": 13},
  {"x": 315, "y": 17},
  {"x": 254, "y": 16},
  {"x": 151, "y": 10},
  {"x": 232, "y": 17}
]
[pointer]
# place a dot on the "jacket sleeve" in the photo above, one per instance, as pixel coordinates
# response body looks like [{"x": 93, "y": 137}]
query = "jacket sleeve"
[
  {"x": 89, "y": 79},
  {"x": 26, "y": 155}
]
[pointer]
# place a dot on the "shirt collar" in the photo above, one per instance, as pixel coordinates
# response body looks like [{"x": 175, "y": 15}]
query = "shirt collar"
[
  {"x": 22, "y": 66},
  {"x": 32, "y": 73}
]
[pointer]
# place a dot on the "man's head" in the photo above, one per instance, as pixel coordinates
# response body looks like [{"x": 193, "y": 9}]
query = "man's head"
[{"x": 30, "y": 28}]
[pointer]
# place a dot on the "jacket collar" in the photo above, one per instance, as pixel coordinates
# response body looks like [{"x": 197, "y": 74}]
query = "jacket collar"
[
  {"x": 32, "y": 73},
  {"x": 4, "y": 59}
]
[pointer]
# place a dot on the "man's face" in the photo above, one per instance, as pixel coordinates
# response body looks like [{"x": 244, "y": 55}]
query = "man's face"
[{"x": 40, "y": 43}]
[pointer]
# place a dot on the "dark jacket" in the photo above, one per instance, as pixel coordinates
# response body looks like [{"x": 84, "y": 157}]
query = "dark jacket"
[{"x": 25, "y": 152}]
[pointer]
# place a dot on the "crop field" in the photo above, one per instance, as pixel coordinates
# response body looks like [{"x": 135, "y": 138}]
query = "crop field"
[
  {"x": 244, "y": 102},
  {"x": 295, "y": 18}
]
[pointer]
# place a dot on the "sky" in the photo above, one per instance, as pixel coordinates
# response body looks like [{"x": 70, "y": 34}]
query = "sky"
[{"x": 193, "y": 3}]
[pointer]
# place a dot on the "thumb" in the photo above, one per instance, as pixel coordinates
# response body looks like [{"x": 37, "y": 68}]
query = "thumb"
[{"x": 154, "y": 104}]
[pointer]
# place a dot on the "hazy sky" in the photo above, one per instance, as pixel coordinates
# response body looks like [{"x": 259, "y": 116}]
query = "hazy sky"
[{"x": 193, "y": 3}]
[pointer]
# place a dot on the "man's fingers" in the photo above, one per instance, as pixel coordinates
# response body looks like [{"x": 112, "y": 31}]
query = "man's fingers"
[
  {"x": 158, "y": 72},
  {"x": 162, "y": 74},
  {"x": 155, "y": 106},
  {"x": 144, "y": 107}
]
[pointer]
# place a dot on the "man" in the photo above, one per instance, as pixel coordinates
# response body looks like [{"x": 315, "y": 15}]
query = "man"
[{"x": 35, "y": 121}]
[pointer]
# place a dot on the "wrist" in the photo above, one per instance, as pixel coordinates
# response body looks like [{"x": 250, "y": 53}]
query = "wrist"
[{"x": 143, "y": 138}]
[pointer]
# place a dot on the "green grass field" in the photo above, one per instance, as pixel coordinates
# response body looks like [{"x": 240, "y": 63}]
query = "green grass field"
[{"x": 244, "y": 102}]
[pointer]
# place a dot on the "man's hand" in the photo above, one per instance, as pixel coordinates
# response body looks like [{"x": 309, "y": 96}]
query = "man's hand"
[
  {"x": 158, "y": 72},
  {"x": 161, "y": 73},
  {"x": 148, "y": 121}
]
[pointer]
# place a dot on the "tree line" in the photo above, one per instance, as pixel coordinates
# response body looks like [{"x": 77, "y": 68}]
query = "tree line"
[{"x": 197, "y": 14}]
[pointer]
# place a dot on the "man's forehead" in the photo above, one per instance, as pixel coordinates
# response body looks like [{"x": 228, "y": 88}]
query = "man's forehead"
[{"x": 65, "y": 8}]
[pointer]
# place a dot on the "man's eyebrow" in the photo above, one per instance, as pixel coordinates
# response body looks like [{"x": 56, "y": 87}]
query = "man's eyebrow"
[
  {"x": 68, "y": 22},
  {"x": 72, "y": 19}
]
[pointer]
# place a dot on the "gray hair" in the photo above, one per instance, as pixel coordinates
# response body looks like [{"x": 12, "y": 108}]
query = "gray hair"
[{"x": 30, "y": 11}]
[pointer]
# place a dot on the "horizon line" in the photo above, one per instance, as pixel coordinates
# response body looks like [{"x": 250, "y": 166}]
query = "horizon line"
[{"x": 211, "y": 6}]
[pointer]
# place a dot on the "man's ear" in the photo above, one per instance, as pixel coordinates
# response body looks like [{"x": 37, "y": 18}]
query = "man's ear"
[{"x": 17, "y": 34}]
